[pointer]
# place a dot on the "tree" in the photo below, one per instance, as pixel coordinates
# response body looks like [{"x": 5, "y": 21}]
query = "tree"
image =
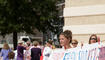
[{"x": 25, "y": 16}]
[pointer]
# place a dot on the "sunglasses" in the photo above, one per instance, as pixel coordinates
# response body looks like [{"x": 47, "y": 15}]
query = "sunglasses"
[
  {"x": 74, "y": 43},
  {"x": 93, "y": 39}
]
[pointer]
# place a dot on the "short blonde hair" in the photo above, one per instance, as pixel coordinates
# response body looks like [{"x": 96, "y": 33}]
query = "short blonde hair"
[
  {"x": 35, "y": 43},
  {"x": 74, "y": 40},
  {"x": 6, "y": 46}
]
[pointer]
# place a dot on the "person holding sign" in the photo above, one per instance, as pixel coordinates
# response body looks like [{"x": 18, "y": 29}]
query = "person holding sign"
[
  {"x": 65, "y": 39},
  {"x": 93, "y": 39}
]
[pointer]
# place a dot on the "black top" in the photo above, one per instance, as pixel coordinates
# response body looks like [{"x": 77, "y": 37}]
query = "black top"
[{"x": 35, "y": 53}]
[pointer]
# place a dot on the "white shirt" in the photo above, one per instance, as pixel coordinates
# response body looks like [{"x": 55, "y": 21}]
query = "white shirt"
[{"x": 46, "y": 53}]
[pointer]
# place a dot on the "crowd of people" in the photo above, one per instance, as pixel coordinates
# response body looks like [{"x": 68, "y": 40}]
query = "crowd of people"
[
  {"x": 28, "y": 51},
  {"x": 34, "y": 50}
]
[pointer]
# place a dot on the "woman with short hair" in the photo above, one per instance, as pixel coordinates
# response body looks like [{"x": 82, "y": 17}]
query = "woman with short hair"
[
  {"x": 74, "y": 43},
  {"x": 35, "y": 51}
]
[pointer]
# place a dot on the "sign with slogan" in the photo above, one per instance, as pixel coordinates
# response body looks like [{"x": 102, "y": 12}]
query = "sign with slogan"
[
  {"x": 88, "y": 52},
  {"x": 57, "y": 54}
]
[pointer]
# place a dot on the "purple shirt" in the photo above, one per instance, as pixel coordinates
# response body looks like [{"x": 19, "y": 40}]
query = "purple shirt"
[
  {"x": 20, "y": 50},
  {"x": 4, "y": 53}
]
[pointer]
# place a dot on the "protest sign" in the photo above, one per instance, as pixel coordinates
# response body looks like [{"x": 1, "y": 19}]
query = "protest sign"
[
  {"x": 57, "y": 54},
  {"x": 88, "y": 52}
]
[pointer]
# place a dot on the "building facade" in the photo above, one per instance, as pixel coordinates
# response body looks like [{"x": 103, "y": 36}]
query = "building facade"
[{"x": 85, "y": 17}]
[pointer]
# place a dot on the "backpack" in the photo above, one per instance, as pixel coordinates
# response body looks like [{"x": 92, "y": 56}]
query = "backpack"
[{"x": 11, "y": 55}]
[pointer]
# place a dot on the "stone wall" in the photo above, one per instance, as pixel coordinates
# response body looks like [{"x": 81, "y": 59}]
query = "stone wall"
[{"x": 85, "y": 17}]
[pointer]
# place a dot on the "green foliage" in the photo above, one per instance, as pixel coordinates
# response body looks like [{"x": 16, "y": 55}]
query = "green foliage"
[{"x": 26, "y": 15}]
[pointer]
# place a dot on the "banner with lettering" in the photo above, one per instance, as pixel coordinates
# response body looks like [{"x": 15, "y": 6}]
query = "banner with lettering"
[
  {"x": 88, "y": 52},
  {"x": 57, "y": 54}
]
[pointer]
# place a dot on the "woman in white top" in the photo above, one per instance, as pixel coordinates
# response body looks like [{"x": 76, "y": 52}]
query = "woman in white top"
[
  {"x": 47, "y": 50},
  {"x": 65, "y": 40}
]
